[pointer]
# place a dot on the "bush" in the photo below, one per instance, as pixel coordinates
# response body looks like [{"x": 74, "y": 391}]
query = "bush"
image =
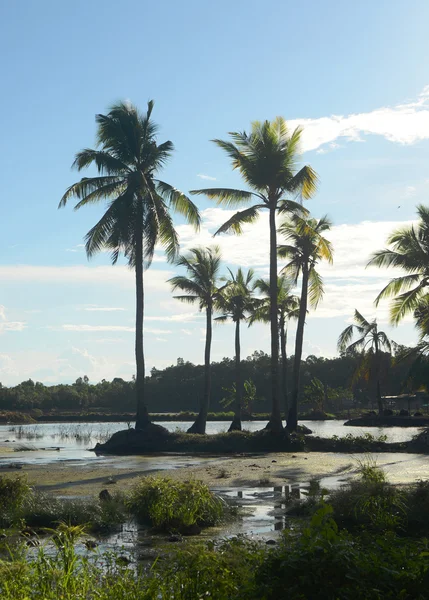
[
  {"x": 43, "y": 510},
  {"x": 13, "y": 493},
  {"x": 173, "y": 505}
]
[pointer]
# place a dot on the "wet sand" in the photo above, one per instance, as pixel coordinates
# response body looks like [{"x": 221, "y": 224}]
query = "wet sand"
[{"x": 70, "y": 478}]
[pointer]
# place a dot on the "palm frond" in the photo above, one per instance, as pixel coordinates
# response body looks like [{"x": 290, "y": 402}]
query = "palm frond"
[
  {"x": 234, "y": 224},
  {"x": 225, "y": 196}
]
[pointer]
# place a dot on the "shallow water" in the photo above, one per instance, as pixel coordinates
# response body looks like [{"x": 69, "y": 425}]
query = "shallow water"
[{"x": 49, "y": 442}]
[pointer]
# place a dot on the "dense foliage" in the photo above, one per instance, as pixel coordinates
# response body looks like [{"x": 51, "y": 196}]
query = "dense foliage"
[{"x": 179, "y": 387}]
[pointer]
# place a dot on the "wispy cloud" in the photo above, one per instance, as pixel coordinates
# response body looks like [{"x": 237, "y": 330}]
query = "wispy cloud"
[
  {"x": 68, "y": 327},
  {"x": 77, "y": 248},
  {"x": 208, "y": 177},
  {"x": 181, "y": 318},
  {"x": 405, "y": 123},
  {"x": 94, "y": 308}
]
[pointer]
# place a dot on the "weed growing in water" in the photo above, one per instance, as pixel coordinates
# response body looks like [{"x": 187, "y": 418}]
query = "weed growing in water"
[{"x": 173, "y": 505}]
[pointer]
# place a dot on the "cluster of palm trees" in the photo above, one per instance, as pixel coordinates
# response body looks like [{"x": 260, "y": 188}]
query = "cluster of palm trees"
[
  {"x": 138, "y": 218},
  {"x": 408, "y": 250}
]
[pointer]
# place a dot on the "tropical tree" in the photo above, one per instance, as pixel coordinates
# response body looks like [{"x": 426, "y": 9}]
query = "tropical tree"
[
  {"x": 201, "y": 287},
  {"x": 305, "y": 249},
  {"x": 267, "y": 160},
  {"x": 128, "y": 158},
  {"x": 410, "y": 252},
  {"x": 370, "y": 344},
  {"x": 235, "y": 303},
  {"x": 287, "y": 309}
]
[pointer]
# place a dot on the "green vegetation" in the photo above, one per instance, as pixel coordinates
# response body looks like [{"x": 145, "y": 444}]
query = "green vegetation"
[
  {"x": 201, "y": 286},
  {"x": 172, "y": 505},
  {"x": 177, "y": 388},
  {"x": 236, "y": 303},
  {"x": 266, "y": 158},
  {"x": 305, "y": 247},
  {"x": 370, "y": 343},
  {"x": 318, "y": 561},
  {"x": 138, "y": 217},
  {"x": 161, "y": 503}
]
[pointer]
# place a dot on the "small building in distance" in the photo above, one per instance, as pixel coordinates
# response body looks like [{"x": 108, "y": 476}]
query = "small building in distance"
[{"x": 412, "y": 402}]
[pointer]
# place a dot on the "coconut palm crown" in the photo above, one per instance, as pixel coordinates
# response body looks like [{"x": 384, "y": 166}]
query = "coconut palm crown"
[
  {"x": 410, "y": 252},
  {"x": 307, "y": 246},
  {"x": 236, "y": 303},
  {"x": 267, "y": 160},
  {"x": 201, "y": 287},
  {"x": 127, "y": 158},
  {"x": 371, "y": 341}
]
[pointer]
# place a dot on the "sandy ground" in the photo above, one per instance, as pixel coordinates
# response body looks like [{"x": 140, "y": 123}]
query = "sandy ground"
[{"x": 75, "y": 479}]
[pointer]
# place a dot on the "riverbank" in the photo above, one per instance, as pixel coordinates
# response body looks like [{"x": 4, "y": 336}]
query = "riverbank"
[
  {"x": 388, "y": 421},
  {"x": 273, "y": 469}
]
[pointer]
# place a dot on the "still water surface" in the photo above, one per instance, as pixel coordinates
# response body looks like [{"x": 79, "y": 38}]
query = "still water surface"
[{"x": 47, "y": 442}]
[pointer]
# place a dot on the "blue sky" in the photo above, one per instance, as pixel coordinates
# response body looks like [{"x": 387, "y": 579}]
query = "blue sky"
[{"x": 355, "y": 75}]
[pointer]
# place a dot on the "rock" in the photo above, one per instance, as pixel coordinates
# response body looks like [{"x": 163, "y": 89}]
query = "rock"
[
  {"x": 150, "y": 438},
  {"x": 273, "y": 461},
  {"x": 271, "y": 542},
  {"x": 193, "y": 529},
  {"x": 175, "y": 538},
  {"x": 294, "y": 456},
  {"x": 90, "y": 544},
  {"x": 104, "y": 496}
]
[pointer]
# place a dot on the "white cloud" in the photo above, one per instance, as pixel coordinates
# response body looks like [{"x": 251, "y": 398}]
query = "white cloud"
[
  {"x": 405, "y": 123},
  {"x": 208, "y": 177},
  {"x": 68, "y": 327},
  {"x": 12, "y": 326},
  {"x": 186, "y": 331},
  {"x": 2, "y": 312},
  {"x": 181, "y": 318},
  {"x": 94, "y": 308},
  {"x": 155, "y": 279}
]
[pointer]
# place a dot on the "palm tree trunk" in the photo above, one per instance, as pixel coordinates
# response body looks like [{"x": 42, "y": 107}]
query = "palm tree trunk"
[
  {"x": 275, "y": 422},
  {"x": 292, "y": 420},
  {"x": 142, "y": 417},
  {"x": 377, "y": 366},
  {"x": 200, "y": 422},
  {"x": 283, "y": 340},
  {"x": 236, "y": 422}
]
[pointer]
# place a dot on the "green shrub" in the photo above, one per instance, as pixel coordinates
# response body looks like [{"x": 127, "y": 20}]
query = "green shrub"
[
  {"x": 44, "y": 510},
  {"x": 13, "y": 493},
  {"x": 168, "y": 504}
]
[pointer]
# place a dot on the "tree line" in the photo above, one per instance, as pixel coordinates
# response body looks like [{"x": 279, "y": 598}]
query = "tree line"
[
  {"x": 128, "y": 159},
  {"x": 179, "y": 387}
]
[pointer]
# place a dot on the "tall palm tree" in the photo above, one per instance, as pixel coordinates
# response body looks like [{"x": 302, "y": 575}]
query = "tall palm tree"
[
  {"x": 370, "y": 343},
  {"x": 267, "y": 160},
  {"x": 287, "y": 308},
  {"x": 127, "y": 158},
  {"x": 201, "y": 286},
  {"x": 410, "y": 252},
  {"x": 235, "y": 303},
  {"x": 306, "y": 248}
]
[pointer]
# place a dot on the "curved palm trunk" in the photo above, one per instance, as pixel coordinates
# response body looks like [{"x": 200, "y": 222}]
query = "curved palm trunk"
[
  {"x": 283, "y": 341},
  {"x": 275, "y": 422},
  {"x": 236, "y": 422},
  {"x": 200, "y": 422},
  {"x": 142, "y": 417},
  {"x": 292, "y": 420},
  {"x": 377, "y": 366}
]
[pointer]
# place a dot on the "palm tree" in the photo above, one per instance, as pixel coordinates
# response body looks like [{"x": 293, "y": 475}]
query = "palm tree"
[
  {"x": 267, "y": 160},
  {"x": 127, "y": 158},
  {"x": 287, "y": 308},
  {"x": 409, "y": 252},
  {"x": 306, "y": 248},
  {"x": 235, "y": 303},
  {"x": 370, "y": 342},
  {"x": 201, "y": 286}
]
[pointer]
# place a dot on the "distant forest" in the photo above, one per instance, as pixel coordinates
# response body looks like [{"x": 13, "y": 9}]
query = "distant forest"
[{"x": 179, "y": 387}]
